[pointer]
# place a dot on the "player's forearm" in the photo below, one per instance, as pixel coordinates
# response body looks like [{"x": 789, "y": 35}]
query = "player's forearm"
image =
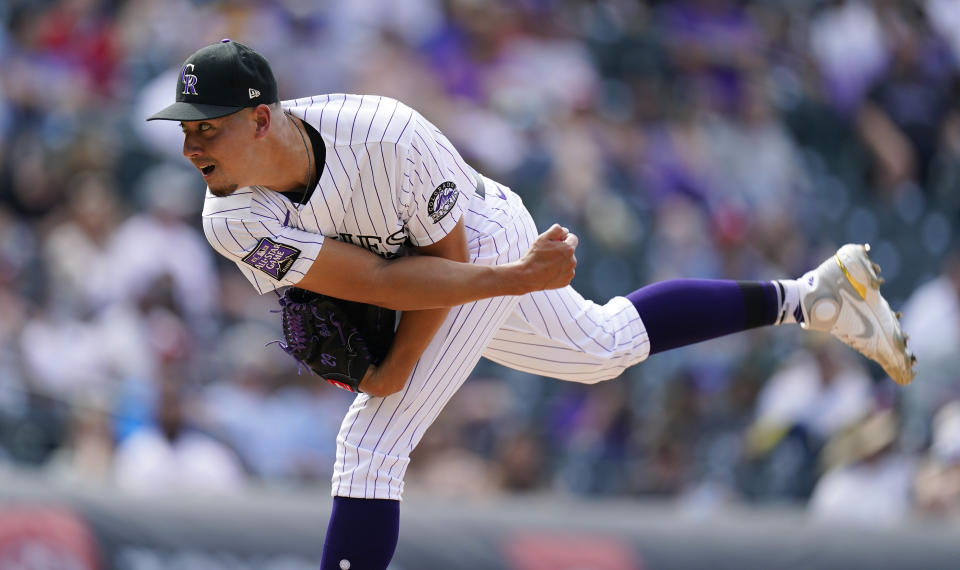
[
  {"x": 548, "y": 264},
  {"x": 414, "y": 333},
  {"x": 433, "y": 282}
]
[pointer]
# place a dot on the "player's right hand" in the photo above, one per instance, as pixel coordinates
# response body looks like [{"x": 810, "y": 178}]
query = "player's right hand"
[{"x": 550, "y": 263}]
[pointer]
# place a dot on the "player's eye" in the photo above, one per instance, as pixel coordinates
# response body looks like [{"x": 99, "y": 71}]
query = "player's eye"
[{"x": 201, "y": 127}]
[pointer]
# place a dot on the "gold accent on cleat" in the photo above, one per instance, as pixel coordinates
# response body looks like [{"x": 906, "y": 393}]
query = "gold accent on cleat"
[{"x": 860, "y": 288}]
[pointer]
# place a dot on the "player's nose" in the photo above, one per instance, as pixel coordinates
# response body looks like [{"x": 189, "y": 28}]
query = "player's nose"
[{"x": 191, "y": 146}]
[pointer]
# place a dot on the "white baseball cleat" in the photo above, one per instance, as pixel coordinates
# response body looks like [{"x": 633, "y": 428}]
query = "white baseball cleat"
[{"x": 842, "y": 297}]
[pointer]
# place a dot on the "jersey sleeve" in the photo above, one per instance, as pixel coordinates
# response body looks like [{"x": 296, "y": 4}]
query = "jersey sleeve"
[
  {"x": 269, "y": 254},
  {"x": 436, "y": 184}
]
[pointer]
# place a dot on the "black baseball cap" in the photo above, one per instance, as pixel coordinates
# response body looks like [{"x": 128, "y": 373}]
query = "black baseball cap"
[{"x": 218, "y": 80}]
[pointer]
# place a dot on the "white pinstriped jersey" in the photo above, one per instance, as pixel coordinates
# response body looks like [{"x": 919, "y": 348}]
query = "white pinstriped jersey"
[{"x": 390, "y": 175}]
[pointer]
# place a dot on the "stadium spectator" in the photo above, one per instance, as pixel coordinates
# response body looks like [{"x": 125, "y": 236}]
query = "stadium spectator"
[
  {"x": 168, "y": 455},
  {"x": 937, "y": 485},
  {"x": 867, "y": 481}
]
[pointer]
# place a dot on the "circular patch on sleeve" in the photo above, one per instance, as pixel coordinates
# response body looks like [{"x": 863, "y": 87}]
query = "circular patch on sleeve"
[{"x": 442, "y": 201}]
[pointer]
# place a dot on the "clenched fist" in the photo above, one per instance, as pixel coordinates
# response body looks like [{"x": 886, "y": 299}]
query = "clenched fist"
[{"x": 550, "y": 263}]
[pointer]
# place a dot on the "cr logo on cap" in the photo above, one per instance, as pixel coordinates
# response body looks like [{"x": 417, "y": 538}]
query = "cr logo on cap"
[{"x": 189, "y": 80}]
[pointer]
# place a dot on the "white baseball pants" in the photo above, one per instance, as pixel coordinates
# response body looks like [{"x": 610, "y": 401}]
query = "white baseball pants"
[{"x": 554, "y": 333}]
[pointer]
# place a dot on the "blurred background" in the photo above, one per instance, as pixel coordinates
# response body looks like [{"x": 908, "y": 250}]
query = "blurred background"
[{"x": 687, "y": 138}]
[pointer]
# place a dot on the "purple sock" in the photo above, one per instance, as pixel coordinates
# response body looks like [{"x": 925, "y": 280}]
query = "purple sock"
[
  {"x": 362, "y": 532},
  {"x": 679, "y": 312}
]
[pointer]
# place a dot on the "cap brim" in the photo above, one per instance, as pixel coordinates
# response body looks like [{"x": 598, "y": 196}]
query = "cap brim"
[{"x": 181, "y": 111}]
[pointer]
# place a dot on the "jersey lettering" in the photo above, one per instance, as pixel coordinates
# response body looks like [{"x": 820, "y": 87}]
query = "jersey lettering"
[
  {"x": 372, "y": 243},
  {"x": 398, "y": 238}
]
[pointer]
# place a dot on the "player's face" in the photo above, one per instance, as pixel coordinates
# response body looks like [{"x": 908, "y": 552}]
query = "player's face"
[{"x": 218, "y": 149}]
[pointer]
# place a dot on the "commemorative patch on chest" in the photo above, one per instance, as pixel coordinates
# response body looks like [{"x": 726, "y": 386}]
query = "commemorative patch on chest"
[
  {"x": 442, "y": 201},
  {"x": 273, "y": 258}
]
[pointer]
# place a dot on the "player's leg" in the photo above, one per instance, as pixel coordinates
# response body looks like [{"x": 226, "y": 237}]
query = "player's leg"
[
  {"x": 680, "y": 312},
  {"x": 362, "y": 533},
  {"x": 561, "y": 335},
  {"x": 378, "y": 434},
  {"x": 841, "y": 296}
]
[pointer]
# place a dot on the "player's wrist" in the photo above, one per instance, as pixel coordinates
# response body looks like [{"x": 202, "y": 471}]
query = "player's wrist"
[
  {"x": 512, "y": 279},
  {"x": 380, "y": 383}
]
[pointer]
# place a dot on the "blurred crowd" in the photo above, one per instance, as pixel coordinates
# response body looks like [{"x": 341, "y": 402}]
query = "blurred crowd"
[{"x": 685, "y": 138}]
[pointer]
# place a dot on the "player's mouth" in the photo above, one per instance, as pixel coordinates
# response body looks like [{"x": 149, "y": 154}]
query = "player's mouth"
[{"x": 207, "y": 170}]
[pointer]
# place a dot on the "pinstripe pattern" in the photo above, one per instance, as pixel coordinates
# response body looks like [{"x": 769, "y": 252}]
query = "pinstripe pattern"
[
  {"x": 378, "y": 434},
  {"x": 381, "y": 185},
  {"x": 561, "y": 335}
]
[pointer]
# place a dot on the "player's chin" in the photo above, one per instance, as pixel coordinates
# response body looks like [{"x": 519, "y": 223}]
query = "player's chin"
[{"x": 223, "y": 191}]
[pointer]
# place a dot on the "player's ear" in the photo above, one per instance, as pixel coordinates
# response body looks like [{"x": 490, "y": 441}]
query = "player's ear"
[{"x": 262, "y": 116}]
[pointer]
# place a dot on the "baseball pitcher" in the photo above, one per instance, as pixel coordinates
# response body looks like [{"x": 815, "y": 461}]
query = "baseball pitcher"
[{"x": 326, "y": 195}]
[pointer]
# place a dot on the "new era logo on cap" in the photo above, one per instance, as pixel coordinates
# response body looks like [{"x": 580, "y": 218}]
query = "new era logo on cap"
[{"x": 254, "y": 93}]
